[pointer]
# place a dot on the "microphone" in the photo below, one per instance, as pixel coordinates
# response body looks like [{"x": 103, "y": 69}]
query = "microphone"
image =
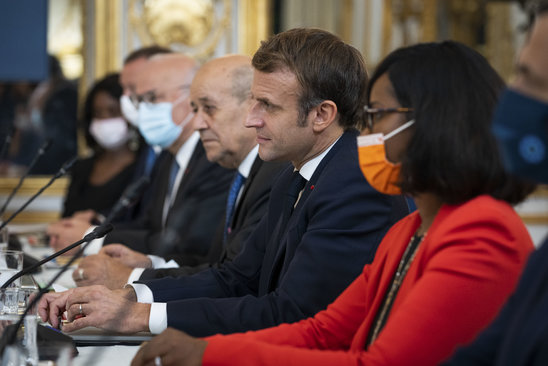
[
  {"x": 130, "y": 195},
  {"x": 62, "y": 171},
  {"x": 7, "y": 141},
  {"x": 98, "y": 232},
  {"x": 12, "y": 332},
  {"x": 41, "y": 151}
]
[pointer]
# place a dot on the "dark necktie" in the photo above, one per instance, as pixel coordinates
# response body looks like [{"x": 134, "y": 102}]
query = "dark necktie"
[
  {"x": 296, "y": 185},
  {"x": 237, "y": 184}
]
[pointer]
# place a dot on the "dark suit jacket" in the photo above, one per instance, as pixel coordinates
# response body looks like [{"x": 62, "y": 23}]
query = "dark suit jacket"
[
  {"x": 334, "y": 231},
  {"x": 519, "y": 334},
  {"x": 145, "y": 165},
  {"x": 248, "y": 212},
  {"x": 198, "y": 206}
]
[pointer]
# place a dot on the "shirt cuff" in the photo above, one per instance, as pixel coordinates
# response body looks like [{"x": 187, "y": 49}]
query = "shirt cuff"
[
  {"x": 157, "y": 322},
  {"x": 135, "y": 275},
  {"x": 143, "y": 292},
  {"x": 157, "y": 262},
  {"x": 95, "y": 245}
]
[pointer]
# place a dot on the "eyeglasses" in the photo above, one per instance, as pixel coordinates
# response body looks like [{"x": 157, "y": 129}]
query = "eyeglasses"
[
  {"x": 374, "y": 115},
  {"x": 152, "y": 97}
]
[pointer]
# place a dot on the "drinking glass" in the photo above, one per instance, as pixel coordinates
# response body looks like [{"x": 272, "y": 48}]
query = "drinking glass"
[
  {"x": 11, "y": 262},
  {"x": 4, "y": 238}
]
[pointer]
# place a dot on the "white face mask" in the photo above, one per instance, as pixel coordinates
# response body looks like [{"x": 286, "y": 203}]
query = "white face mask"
[
  {"x": 110, "y": 133},
  {"x": 128, "y": 110}
]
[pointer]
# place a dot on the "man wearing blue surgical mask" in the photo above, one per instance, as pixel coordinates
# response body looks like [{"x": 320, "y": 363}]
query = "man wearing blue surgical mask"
[
  {"x": 518, "y": 336},
  {"x": 185, "y": 178},
  {"x": 129, "y": 75}
]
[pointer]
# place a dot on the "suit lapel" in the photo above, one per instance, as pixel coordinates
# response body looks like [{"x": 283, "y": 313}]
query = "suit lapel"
[{"x": 188, "y": 178}]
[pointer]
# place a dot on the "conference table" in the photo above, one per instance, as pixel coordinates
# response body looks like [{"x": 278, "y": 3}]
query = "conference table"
[{"x": 115, "y": 355}]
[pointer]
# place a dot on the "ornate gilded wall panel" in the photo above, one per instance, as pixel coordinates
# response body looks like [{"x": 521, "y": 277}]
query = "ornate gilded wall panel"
[
  {"x": 194, "y": 27},
  {"x": 254, "y": 24}
]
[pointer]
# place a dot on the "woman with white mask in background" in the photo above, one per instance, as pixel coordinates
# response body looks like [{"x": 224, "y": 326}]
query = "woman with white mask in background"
[{"x": 99, "y": 180}]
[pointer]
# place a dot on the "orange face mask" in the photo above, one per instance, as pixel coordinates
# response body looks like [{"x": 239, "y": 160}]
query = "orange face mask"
[{"x": 379, "y": 172}]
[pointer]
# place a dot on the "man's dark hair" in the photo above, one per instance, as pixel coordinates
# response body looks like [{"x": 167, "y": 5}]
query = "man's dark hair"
[
  {"x": 534, "y": 9},
  {"x": 110, "y": 84},
  {"x": 453, "y": 92},
  {"x": 146, "y": 52},
  {"x": 325, "y": 67}
]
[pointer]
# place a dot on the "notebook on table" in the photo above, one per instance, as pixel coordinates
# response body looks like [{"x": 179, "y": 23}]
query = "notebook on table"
[{"x": 91, "y": 336}]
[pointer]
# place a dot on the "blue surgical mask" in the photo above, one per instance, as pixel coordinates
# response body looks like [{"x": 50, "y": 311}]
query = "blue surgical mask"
[
  {"x": 156, "y": 124},
  {"x": 520, "y": 124}
]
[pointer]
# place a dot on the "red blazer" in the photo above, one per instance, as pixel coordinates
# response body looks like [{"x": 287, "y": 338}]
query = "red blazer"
[{"x": 465, "y": 268}]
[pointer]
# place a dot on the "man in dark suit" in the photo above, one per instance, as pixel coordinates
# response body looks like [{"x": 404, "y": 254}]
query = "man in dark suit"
[
  {"x": 185, "y": 181},
  {"x": 519, "y": 334},
  {"x": 323, "y": 223},
  {"x": 220, "y": 97}
]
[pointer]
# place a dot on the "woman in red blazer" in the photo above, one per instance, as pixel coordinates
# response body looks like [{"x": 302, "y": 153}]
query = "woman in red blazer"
[{"x": 440, "y": 274}]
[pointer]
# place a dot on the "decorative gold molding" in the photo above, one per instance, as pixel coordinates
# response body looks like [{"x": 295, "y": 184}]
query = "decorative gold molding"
[
  {"x": 254, "y": 24},
  {"x": 429, "y": 21},
  {"x": 107, "y": 26},
  {"x": 541, "y": 192},
  {"x": 35, "y": 217},
  {"x": 535, "y": 219},
  {"x": 387, "y": 19},
  {"x": 500, "y": 53},
  {"x": 345, "y": 22},
  {"x": 31, "y": 185},
  {"x": 191, "y": 27}
]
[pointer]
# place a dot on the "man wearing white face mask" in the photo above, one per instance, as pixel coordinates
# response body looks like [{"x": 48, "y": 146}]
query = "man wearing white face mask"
[{"x": 185, "y": 177}]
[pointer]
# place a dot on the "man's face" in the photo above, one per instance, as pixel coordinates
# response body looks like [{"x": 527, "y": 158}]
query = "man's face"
[
  {"x": 275, "y": 116},
  {"x": 159, "y": 84},
  {"x": 532, "y": 66},
  {"x": 219, "y": 117}
]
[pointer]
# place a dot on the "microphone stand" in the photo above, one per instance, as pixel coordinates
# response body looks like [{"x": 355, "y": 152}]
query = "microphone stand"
[
  {"x": 40, "y": 152},
  {"x": 66, "y": 166},
  {"x": 99, "y": 232}
]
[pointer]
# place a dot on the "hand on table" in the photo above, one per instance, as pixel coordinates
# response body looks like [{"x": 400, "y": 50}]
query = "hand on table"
[
  {"x": 65, "y": 232},
  {"x": 173, "y": 347},
  {"x": 101, "y": 269},
  {"x": 128, "y": 257},
  {"x": 96, "y": 306}
]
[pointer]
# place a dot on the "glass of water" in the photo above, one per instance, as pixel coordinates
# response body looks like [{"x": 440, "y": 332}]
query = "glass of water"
[
  {"x": 4, "y": 238},
  {"x": 11, "y": 262},
  {"x": 25, "y": 349}
]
